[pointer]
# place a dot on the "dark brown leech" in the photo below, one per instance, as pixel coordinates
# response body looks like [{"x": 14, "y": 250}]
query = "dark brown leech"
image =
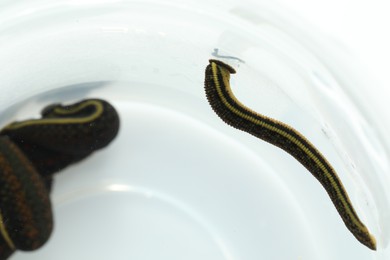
[
  {"x": 48, "y": 162},
  {"x": 234, "y": 113},
  {"x": 24, "y": 202},
  {"x": 82, "y": 127},
  {"x": 65, "y": 134}
]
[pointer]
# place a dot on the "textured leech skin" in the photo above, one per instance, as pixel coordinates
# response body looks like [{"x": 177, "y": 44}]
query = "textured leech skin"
[
  {"x": 5, "y": 250},
  {"x": 235, "y": 114},
  {"x": 65, "y": 134},
  {"x": 82, "y": 127},
  {"x": 31, "y": 151},
  {"x": 24, "y": 202},
  {"x": 49, "y": 162}
]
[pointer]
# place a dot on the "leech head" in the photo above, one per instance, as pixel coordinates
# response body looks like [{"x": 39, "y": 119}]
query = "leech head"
[
  {"x": 223, "y": 66},
  {"x": 46, "y": 111},
  {"x": 220, "y": 73}
]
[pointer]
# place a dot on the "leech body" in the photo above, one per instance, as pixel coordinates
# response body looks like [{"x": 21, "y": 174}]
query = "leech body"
[
  {"x": 31, "y": 151},
  {"x": 25, "y": 208},
  {"x": 78, "y": 128},
  {"x": 65, "y": 134},
  {"x": 234, "y": 113}
]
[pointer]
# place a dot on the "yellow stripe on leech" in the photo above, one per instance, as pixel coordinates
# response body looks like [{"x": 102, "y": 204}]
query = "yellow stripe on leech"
[
  {"x": 330, "y": 177},
  {"x": 63, "y": 111},
  {"x": 5, "y": 234},
  {"x": 96, "y": 114}
]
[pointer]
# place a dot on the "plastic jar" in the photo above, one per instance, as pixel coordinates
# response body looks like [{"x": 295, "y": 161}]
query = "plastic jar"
[{"x": 178, "y": 183}]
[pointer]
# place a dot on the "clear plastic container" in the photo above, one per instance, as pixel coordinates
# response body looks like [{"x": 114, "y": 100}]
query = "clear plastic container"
[{"x": 178, "y": 183}]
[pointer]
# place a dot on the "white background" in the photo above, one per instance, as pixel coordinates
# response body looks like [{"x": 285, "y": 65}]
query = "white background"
[{"x": 362, "y": 26}]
